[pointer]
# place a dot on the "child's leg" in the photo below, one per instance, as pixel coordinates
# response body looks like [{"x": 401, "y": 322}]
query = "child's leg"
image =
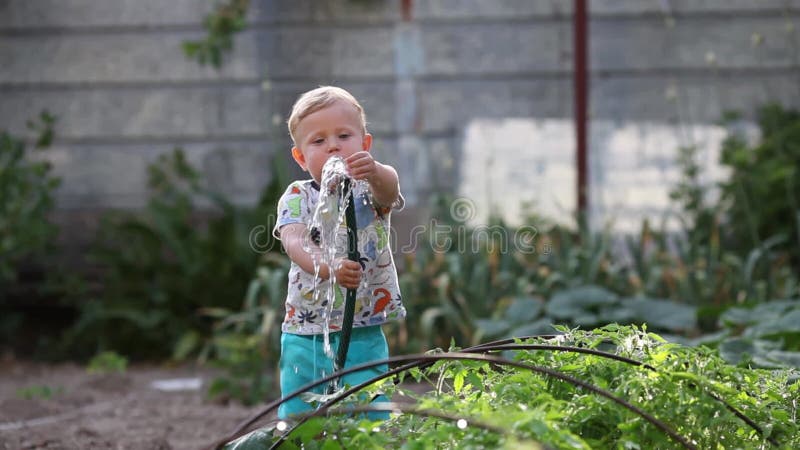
[
  {"x": 367, "y": 344},
  {"x": 302, "y": 361}
]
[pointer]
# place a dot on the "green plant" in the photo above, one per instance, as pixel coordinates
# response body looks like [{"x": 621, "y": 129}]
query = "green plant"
[
  {"x": 42, "y": 391},
  {"x": 700, "y": 269},
  {"x": 745, "y": 248},
  {"x": 706, "y": 274},
  {"x": 454, "y": 277},
  {"x": 700, "y": 219},
  {"x": 227, "y": 19},
  {"x": 474, "y": 288},
  {"x": 761, "y": 199},
  {"x": 677, "y": 286},
  {"x": 245, "y": 343},
  {"x": 612, "y": 387},
  {"x": 586, "y": 306},
  {"x": 107, "y": 362},
  {"x": 26, "y": 198},
  {"x": 759, "y": 335},
  {"x": 27, "y": 187},
  {"x": 164, "y": 265}
]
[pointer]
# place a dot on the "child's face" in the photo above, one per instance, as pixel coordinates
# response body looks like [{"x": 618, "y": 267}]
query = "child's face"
[{"x": 333, "y": 130}]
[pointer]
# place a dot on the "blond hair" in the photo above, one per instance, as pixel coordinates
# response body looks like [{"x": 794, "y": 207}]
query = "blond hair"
[{"x": 319, "y": 98}]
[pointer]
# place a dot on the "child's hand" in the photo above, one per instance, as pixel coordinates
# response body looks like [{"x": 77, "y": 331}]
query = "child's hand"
[
  {"x": 361, "y": 166},
  {"x": 348, "y": 273}
]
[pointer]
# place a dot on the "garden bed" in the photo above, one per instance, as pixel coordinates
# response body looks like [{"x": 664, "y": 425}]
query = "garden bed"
[{"x": 64, "y": 407}]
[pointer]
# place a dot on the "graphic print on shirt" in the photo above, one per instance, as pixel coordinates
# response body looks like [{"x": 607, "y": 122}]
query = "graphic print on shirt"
[{"x": 376, "y": 302}]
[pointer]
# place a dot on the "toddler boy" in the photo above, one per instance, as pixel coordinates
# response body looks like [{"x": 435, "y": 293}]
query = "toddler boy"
[{"x": 326, "y": 122}]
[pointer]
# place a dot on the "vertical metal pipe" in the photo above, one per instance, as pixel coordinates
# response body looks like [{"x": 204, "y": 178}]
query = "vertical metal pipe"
[
  {"x": 406, "y": 7},
  {"x": 581, "y": 88}
]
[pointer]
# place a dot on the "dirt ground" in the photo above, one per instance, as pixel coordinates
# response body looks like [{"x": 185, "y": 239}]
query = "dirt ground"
[{"x": 63, "y": 407}]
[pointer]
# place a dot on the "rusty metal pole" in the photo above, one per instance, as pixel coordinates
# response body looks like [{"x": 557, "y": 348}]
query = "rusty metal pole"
[
  {"x": 581, "y": 88},
  {"x": 405, "y": 8}
]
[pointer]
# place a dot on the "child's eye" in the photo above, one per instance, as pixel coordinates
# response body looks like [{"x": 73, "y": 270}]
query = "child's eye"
[
  {"x": 317, "y": 141},
  {"x": 344, "y": 136}
]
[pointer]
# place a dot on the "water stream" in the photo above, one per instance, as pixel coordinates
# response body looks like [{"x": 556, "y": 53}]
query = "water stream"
[{"x": 327, "y": 221}]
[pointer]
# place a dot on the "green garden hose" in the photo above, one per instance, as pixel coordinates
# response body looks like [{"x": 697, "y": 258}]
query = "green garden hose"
[{"x": 350, "y": 300}]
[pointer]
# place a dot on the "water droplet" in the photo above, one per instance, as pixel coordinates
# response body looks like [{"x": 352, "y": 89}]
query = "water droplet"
[
  {"x": 296, "y": 369},
  {"x": 462, "y": 424},
  {"x": 281, "y": 426},
  {"x": 376, "y": 430}
]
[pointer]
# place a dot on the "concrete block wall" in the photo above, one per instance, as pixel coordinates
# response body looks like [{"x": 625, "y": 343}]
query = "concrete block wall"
[{"x": 115, "y": 75}]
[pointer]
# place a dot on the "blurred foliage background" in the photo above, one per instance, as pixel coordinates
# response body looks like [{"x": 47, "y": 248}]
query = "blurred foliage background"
[
  {"x": 195, "y": 277},
  {"x": 179, "y": 284}
]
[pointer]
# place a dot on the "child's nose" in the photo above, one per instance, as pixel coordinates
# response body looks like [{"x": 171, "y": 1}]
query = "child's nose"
[{"x": 333, "y": 146}]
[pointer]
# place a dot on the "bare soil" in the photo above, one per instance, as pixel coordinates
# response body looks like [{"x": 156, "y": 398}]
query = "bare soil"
[{"x": 64, "y": 407}]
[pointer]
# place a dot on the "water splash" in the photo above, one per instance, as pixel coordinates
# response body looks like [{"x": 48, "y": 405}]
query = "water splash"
[{"x": 328, "y": 219}]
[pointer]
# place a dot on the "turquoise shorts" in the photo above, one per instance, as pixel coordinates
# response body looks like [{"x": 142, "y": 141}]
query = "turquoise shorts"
[{"x": 303, "y": 360}]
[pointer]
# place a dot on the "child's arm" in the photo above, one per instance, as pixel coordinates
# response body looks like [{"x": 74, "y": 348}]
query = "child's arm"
[
  {"x": 382, "y": 178},
  {"x": 293, "y": 235}
]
